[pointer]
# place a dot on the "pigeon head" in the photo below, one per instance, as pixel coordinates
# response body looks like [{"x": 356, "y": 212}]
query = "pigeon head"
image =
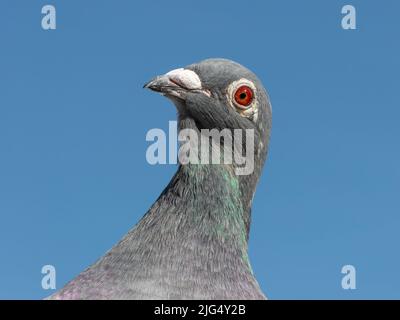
[
  {"x": 223, "y": 95},
  {"x": 217, "y": 94}
]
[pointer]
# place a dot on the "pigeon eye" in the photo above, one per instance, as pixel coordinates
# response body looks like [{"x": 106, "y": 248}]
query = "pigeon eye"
[{"x": 244, "y": 96}]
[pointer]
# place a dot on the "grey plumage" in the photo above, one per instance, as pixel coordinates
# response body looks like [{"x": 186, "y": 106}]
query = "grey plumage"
[{"x": 192, "y": 243}]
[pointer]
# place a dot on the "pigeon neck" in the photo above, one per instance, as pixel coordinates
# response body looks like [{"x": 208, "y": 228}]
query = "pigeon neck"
[
  {"x": 214, "y": 194},
  {"x": 214, "y": 175}
]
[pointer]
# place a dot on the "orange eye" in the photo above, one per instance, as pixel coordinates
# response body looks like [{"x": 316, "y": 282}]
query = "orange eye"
[{"x": 244, "y": 96}]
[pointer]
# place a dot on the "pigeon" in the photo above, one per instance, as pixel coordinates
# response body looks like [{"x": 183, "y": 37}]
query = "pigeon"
[{"x": 192, "y": 244}]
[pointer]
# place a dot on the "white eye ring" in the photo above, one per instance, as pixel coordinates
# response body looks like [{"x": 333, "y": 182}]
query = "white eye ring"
[{"x": 234, "y": 86}]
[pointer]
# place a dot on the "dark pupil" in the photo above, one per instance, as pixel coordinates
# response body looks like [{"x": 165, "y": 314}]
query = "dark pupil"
[{"x": 243, "y": 95}]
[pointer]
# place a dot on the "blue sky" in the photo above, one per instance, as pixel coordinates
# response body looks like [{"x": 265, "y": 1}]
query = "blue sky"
[{"x": 74, "y": 116}]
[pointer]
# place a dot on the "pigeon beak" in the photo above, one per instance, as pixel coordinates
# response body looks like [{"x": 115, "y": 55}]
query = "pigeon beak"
[{"x": 175, "y": 83}]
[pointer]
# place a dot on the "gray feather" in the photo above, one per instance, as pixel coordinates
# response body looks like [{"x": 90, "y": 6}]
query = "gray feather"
[{"x": 192, "y": 243}]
